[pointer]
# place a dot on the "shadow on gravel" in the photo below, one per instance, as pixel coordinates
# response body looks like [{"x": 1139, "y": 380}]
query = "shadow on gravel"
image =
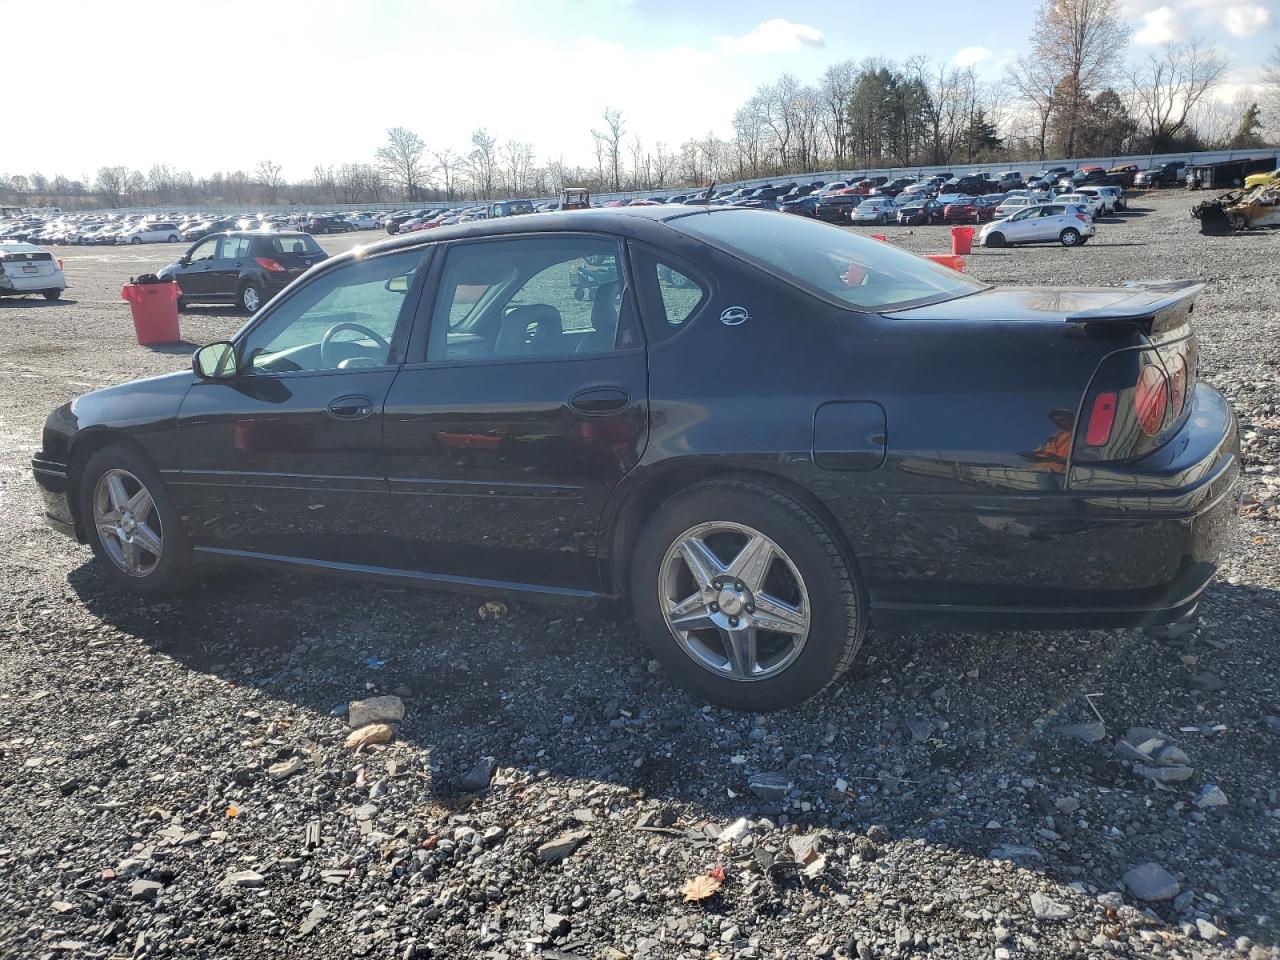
[
  {"x": 956, "y": 740},
  {"x": 178, "y": 347},
  {"x": 33, "y": 302},
  {"x": 229, "y": 310}
]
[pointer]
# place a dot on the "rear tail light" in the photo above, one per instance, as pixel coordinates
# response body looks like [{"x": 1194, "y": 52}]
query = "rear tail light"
[
  {"x": 1082, "y": 218},
  {"x": 1178, "y": 385},
  {"x": 59, "y": 263},
  {"x": 1101, "y": 420},
  {"x": 266, "y": 263},
  {"x": 1151, "y": 399}
]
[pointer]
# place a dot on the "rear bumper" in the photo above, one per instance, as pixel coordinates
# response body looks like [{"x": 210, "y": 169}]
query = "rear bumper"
[
  {"x": 54, "y": 485},
  {"x": 1129, "y": 545},
  {"x": 33, "y": 284}
]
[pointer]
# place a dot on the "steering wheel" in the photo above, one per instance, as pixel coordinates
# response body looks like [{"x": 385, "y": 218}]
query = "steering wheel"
[{"x": 326, "y": 360}]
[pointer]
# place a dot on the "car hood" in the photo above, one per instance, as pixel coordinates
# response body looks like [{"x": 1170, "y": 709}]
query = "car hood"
[{"x": 1065, "y": 304}]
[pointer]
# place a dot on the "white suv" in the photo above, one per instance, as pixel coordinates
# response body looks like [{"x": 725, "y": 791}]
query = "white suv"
[
  {"x": 151, "y": 233},
  {"x": 1066, "y": 223}
]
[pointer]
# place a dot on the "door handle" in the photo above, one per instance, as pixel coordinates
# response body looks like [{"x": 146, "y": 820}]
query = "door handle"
[
  {"x": 354, "y": 407},
  {"x": 597, "y": 401}
]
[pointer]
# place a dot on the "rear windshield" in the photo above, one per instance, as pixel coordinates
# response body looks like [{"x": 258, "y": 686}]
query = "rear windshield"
[
  {"x": 835, "y": 263},
  {"x": 301, "y": 246}
]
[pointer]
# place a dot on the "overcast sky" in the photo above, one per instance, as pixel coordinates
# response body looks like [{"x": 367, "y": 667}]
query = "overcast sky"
[{"x": 222, "y": 85}]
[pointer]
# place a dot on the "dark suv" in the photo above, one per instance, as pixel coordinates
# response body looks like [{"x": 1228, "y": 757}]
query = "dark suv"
[
  {"x": 243, "y": 267},
  {"x": 328, "y": 224}
]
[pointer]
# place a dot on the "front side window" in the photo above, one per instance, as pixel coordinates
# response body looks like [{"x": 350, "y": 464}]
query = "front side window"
[
  {"x": 836, "y": 264},
  {"x": 344, "y": 319},
  {"x": 204, "y": 250},
  {"x": 532, "y": 296}
]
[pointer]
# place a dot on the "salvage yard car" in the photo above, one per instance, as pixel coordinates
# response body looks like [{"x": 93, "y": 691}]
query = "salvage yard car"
[
  {"x": 151, "y": 233},
  {"x": 1048, "y": 222},
  {"x": 244, "y": 267},
  {"x": 28, "y": 269},
  {"x": 878, "y": 437}
]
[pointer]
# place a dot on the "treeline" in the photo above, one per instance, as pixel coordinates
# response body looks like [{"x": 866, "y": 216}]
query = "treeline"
[{"x": 1074, "y": 94}]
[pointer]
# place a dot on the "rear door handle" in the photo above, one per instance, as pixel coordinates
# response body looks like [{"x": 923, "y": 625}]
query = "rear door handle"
[
  {"x": 597, "y": 401},
  {"x": 353, "y": 407}
]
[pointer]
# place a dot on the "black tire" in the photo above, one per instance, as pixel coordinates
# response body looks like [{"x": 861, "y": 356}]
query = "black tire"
[
  {"x": 53, "y": 294},
  {"x": 994, "y": 239},
  {"x": 133, "y": 240},
  {"x": 246, "y": 291},
  {"x": 1070, "y": 237},
  {"x": 173, "y": 238},
  {"x": 173, "y": 570},
  {"x": 837, "y": 601},
  {"x": 182, "y": 304}
]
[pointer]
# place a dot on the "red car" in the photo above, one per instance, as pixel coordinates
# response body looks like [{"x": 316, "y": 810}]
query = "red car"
[{"x": 968, "y": 211}]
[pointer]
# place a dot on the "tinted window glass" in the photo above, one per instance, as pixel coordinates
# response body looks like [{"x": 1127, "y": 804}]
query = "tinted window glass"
[
  {"x": 303, "y": 245},
  {"x": 836, "y": 263},
  {"x": 534, "y": 296},
  {"x": 681, "y": 295},
  {"x": 342, "y": 320},
  {"x": 233, "y": 248}
]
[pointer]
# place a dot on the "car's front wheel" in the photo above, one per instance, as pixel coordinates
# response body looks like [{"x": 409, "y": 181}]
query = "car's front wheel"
[
  {"x": 1069, "y": 237},
  {"x": 995, "y": 239},
  {"x": 135, "y": 239},
  {"x": 131, "y": 523},
  {"x": 745, "y": 596}
]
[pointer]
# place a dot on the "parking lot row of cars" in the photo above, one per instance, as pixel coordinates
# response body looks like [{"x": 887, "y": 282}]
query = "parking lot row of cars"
[{"x": 97, "y": 229}]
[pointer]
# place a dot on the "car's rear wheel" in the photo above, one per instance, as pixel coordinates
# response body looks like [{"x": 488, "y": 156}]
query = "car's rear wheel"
[
  {"x": 173, "y": 238},
  {"x": 250, "y": 297},
  {"x": 1070, "y": 237},
  {"x": 131, "y": 523},
  {"x": 745, "y": 597},
  {"x": 52, "y": 294},
  {"x": 995, "y": 239}
]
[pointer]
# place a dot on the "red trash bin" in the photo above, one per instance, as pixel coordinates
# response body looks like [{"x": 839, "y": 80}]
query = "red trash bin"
[
  {"x": 961, "y": 240},
  {"x": 155, "y": 311}
]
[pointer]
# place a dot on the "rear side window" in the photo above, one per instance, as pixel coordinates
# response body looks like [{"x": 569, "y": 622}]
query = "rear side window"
[
  {"x": 302, "y": 246},
  {"x": 233, "y": 248}
]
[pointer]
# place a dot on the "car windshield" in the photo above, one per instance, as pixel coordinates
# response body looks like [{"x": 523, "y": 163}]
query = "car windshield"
[{"x": 836, "y": 264}]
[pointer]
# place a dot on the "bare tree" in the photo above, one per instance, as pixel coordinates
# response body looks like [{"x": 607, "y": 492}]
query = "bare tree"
[
  {"x": 1170, "y": 85},
  {"x": 1083, "y": 42},
  {"x": 835, "y": 92},
  {"x": 111, "y": 184},
  {"x": 271, "y": 178},
  {"x": 482, "y": 162},
  {"x": 1271, "y": 88},
  {"x": 609, "y": 144},
  {"x": 401, "y": 160},
  {"x": 1033, "y": 80},
  {"x": 446, "y": 165}
]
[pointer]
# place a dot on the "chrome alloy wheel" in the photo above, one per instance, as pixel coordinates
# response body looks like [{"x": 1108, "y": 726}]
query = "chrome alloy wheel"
[
  {"x": 734, "y": 601},
  {"x": 127, "y": 522},
  {"x": 249, "y": 297}
]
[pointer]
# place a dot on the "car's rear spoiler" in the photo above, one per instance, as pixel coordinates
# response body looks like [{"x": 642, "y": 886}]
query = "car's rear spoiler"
[{"x": 1156, "y": 306}]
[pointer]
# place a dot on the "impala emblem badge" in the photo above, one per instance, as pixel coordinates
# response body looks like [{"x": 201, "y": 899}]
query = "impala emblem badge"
[{"x": 734, "y": 316}]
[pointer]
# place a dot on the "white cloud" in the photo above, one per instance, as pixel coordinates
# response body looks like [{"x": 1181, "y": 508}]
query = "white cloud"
[
  {"x": 1246, "y": 19},
  {"x": 968, "y": 56},
  {"x": 1161, "y": 25},
  {"x": 773, "y": 36}
]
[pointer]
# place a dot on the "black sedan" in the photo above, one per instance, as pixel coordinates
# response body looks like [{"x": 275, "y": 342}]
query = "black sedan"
[
  {"x": 760, "y": 433},
  {"x": 244, "y": 267},
  {"x": 923, "y": 210}
]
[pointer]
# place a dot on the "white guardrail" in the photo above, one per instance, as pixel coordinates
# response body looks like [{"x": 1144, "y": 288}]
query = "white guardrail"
[{"x": 828, "y": 176}]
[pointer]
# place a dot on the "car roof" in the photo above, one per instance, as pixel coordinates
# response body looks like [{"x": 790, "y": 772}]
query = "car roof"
[
  {"x": 264, "y": 233},
  {"x": 19, "y": 246}
]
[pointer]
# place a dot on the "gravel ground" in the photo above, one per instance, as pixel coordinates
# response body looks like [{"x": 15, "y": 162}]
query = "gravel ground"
[{"x": 175, "y": 778}]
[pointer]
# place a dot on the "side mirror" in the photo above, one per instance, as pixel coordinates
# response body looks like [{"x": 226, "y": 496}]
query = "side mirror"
[
  {"x": 215, "y": 361},
  {"x": 398, "y": 284}
]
